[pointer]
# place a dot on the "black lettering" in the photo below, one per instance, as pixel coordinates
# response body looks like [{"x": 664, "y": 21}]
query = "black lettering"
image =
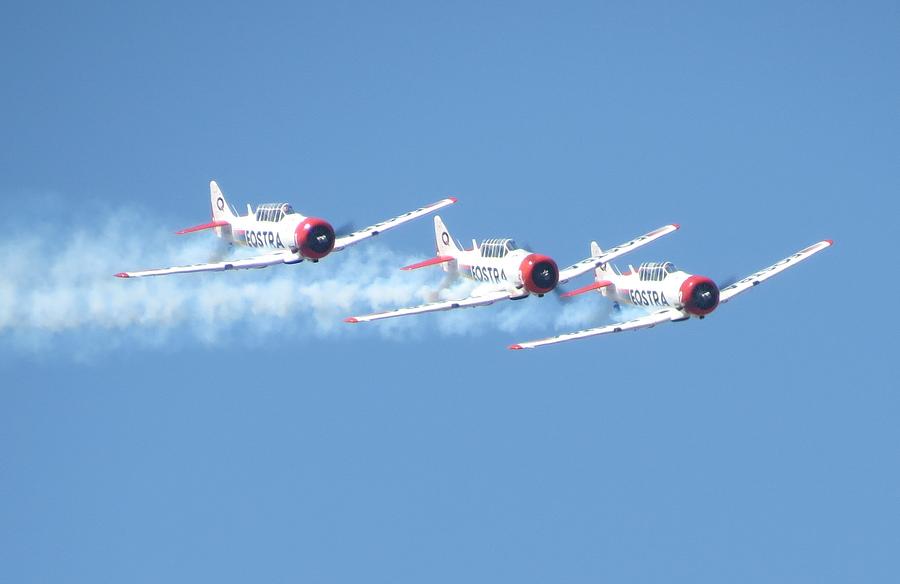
[{"x": 656, "y": 298}]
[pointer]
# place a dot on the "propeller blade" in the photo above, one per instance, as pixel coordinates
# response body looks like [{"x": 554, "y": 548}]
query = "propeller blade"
[
  {"x": 726, "y": 282},
  {"x": 345, "y": 229}
]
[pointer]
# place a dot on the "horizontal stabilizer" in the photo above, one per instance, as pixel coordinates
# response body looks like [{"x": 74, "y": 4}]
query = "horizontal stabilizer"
[
  {"x": 431, "y": 262},
  {"x": 588, "y": 288},
  {"x": 211, "y": 225}
]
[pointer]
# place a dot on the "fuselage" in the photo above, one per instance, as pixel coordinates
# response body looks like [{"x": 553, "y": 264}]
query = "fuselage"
[
  {"x": 278, "y": 226},
  {"x": 499, "y": 261},
  {"x": 661, "y": 285},
  {"x": 271, "y": 226}
]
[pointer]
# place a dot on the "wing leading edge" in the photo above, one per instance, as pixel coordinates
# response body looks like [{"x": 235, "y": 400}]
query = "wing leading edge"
[
  {"x": 752, "y": 280},
  {"x": 373, "y": 230},
  {"x": 588, "y": 264}
]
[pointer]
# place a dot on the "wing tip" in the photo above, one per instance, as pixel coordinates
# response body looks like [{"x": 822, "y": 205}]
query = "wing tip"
[
  {"x": 452, "y": 199},
  {"x": 676, "y": 225},
  {"x": 516, "y": 347},
  {"x": 829, "y": 241},
  {"x": 351, "y": 320},
  {"x": 122, "y": 275}
]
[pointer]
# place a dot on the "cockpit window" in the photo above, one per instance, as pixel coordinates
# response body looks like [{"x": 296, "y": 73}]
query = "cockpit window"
[
  {"x": 655, "y": 272},
  {"x": 497, "y": 248},
  {"x": 273, "y": 212}
]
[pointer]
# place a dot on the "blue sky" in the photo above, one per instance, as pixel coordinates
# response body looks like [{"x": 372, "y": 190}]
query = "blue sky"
[{"x": 228, "y": 427}]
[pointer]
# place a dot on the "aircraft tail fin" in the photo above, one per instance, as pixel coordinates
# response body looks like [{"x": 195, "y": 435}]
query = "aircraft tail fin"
[
  {"x": 221, "y": 212},
  {"x": 446, "y": 247},
  {"x": 220, "y": 209},
  {"x": 603, "y": 268}
]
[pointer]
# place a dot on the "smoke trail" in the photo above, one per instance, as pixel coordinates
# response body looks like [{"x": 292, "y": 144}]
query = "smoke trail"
[{"x": 57, "y": 284}]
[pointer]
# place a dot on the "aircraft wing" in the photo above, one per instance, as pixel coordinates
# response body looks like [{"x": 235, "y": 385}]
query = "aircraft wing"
[
  {"x": 729, "y": 292},
  {"x": 648, "y": 321},
  {"x": 263, "y": 261},
  {"x": 476, "y": 300},
  {"x": 371, "y": 231},
  {"x": 588, "y": 264}
]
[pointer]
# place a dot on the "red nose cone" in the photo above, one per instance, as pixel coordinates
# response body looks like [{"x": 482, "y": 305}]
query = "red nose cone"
[
  {"x": 700, "y": 295},
  {"x": 314, "y": 238},
  {"x": 539, "y": 273}
]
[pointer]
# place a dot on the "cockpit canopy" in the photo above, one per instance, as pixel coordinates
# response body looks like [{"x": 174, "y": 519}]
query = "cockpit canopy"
[
  {"x": 497, "y": 248},
  {"x": 655, "y": 271},
  {"x": 273, "y": 212}
]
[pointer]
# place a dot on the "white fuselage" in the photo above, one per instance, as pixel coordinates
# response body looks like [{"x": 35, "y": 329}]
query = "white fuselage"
[
  {"x": 248, "y": 231},
  {"x": 495, "y": 270},
  {"x": 629, "y": 288}
]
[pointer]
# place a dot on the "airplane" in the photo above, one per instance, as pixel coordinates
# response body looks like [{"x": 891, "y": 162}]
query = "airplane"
[
  {"x": 506, "y": 271},
  {"x": 671, "y": 294},
  {"x": 287, "y": 236}
]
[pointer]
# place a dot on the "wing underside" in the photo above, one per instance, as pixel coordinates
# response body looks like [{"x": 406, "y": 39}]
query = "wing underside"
[
  {"x": 471, "y": 301},
  {"x": 263, "y": 261},
  {"x": 647, "y": 321}
]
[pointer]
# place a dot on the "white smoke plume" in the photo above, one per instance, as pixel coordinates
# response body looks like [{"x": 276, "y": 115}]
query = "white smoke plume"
[{"x": 57, "y": 286}]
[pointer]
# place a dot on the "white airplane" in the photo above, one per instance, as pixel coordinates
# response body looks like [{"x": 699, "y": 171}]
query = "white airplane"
[
  {"x": 290, "y": 236},
  {"x": 506, "y": 271},
  {"x": 671, "y": 295}
]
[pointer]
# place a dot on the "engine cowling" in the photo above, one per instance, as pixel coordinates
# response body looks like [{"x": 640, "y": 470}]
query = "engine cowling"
[
  {"x": 539, "y": 273},
  {"x": 314, "y": 238},
  {"x": 699, "y": 295}
]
